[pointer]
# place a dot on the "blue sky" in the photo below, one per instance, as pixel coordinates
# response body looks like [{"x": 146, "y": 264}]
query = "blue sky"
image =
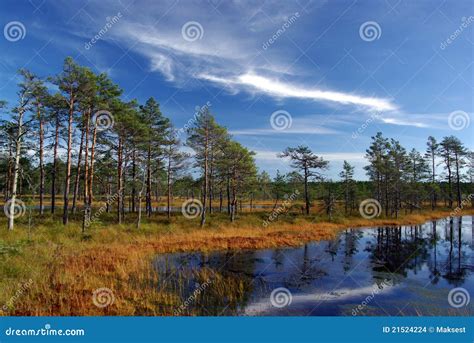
[{"x": 409, "y": 74}]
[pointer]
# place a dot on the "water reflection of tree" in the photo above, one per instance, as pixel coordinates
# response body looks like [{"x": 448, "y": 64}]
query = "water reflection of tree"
[
  {"x": 403, "y": 249},
  {"x": 398, "y": 249},
  {"x": 454, "y": 272},
  {"x": 351, "y": 238}
]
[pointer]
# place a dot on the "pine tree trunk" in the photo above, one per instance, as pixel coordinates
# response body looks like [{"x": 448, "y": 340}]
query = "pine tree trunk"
[
  {"x": 169, "y": 186},
  {"x": 134, "y": 180},
  {"x": 78, "y": 174},
  {"x": 41, "y": 163},
  {"x": 228, "y": 195},
  {"x": 55, "y": 165},
  {"x": 87, "y": 209},
  {"x": 306, "y": 195},
  {"x": 458, "y": 180},
  {"x": 16, "y": 170},
  {"x": 119, "y": 182},
  {"x": 148, "y": 183},
  {"x": 91, "y": 172},
  {"x": 8, "y": 182},
  {"x": 68, "y": 162},
  {"x": 206, "y": 176}
]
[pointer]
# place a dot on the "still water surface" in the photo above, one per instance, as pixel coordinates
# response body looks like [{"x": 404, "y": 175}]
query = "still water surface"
[{"x": 407, "y": 270}]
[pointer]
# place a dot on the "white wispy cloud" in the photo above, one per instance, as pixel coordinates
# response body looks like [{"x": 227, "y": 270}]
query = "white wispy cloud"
[
  {"x": 418, "y": 120},
  {"x": 276, "y": 88},
  {"x": 312, "y": 130},
  {"x": 229, "y": 53}
]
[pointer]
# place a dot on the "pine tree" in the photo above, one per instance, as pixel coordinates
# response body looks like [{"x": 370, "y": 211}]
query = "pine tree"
[{"x": 304, "y": 160}]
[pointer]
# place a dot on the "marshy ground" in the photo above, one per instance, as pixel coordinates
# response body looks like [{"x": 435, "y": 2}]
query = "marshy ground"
[{"x": 58, "y": 268}]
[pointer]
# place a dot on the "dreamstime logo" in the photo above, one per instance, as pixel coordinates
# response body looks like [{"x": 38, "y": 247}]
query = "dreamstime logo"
[
  {"x": 458, "y": 120},
  {"x": 103, "y": 120},
  {"x": 283, "y": 208},
  {"x": 464, "y": 202},
  {"x": 376, "y": 289},
  {"x": 286, "y": 25},
  {"x": 191, "y": 208},
  {"x": 101, "y": 210},
  {"x": 281, "y": 120},
  {"x": 103, "y": 297},
  {"x": 199, "y": 289},
  {"x": 14, "y": 31},
  {"x": 465, "y": 22},
  {"x": 370, "y": 31},
  {"x": 192, "y": 31},
  {"x": 22, "y": 288},
  {"x": 111, "y": 21},
  {"x": 18, "y": 208},
  {"x": 458, "y": 297},
  {"x": 281, "y": 297},
  {"x": 365, "y": 125},
  {"x": 199, "y": 111},
  {"x": 370, "y": 208}
]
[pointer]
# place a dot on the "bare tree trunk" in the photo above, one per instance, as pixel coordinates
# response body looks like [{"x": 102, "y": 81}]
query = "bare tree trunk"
[
  {"x": 458, "y": 179},
  {"x": 228, "y": 195},
  {"x": 210, "y": 181},
  {"x": 169, "y": 184},
  {"x": 306, "y": 193},
  {"x": 134, "y": 180},
  {"x": 78, "y": 174},
  {"x": 119, "y": 182},
  {"x": 148, "y": 183},
  {"x": 16, "y": 169},
  {"x": 41, "y": 163},
  {"x": 91, "y": 173},
  {"x": 234, "y": 205},
  {"x": 206, "y": 176},
  {"x": 87, "y": 209},
  {"x": 68, "y": 162},
  {"x": 8, "y": 182},
  {"x": 55, "y": 166}
]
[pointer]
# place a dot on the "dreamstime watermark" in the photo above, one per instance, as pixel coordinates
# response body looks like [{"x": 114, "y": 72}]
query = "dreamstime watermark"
[
  {"x": 464, "y": 202},
  {"x": 191, "y": 208},
  {"x": 111, "y": 21},
  {"x": 465, "y": 22},
  {"x": 22, "y": 288},
  {"x": 199, "y": 111},
  {"x": 376, "y": 289},
  {"x": 14, "y": 31},
  {"x": 281, "y": 120},
  {"x": 370, "y": 31},
  {"x": 103, "y": 120},
  {"x": 286, "y": 25},
  {"x": 192, "y": 31},
  {"x": 46, "y": 331},
  {"x": 103, "y": 297},
  {"x": 283, "y": 208},
  {"x": 281, "y": 297},
  {"x": 370, "y": 208},
  {"x": 14, "y": 208},
  {"x": 192, "y": 298},
  {"x": 459, "y": 120},
  {"x": 360, "y": 130},
  {"x": 459, "y": 297}
]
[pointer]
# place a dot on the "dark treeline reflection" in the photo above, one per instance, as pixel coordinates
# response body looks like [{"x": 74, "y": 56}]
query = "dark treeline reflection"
[{"x": 420, "y": 264}]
